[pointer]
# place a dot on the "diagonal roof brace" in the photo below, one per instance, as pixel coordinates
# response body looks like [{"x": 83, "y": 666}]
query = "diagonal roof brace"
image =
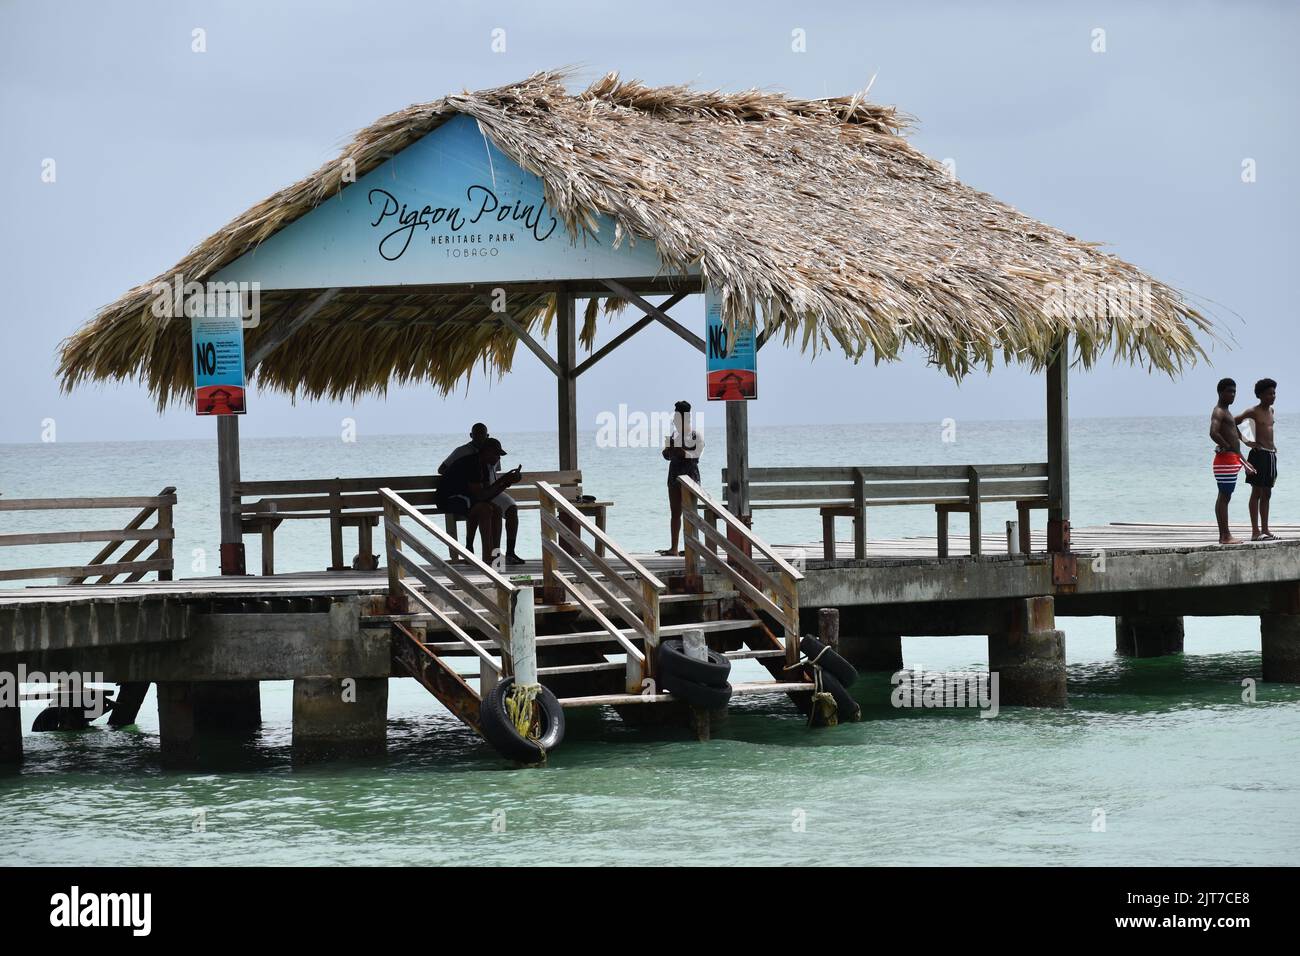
[{"x": 623, "y": 292}]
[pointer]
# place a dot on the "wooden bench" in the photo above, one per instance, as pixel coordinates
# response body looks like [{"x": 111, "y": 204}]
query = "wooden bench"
[
  {"x": 355, "y": 503},
  {"x": 848, "y": 491}
]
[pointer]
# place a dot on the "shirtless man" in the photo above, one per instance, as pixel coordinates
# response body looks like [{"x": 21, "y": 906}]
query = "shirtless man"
[
  {"x": 1227, "y": 456},
  {"x": 1263, "y": 457}
]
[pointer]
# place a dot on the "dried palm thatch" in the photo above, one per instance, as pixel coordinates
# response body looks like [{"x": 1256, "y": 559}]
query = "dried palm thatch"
[{"x": 815, "y": 214}]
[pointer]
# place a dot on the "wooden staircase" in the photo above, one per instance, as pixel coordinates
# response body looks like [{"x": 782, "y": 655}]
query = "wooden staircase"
[{"x": 444, "y": 614}]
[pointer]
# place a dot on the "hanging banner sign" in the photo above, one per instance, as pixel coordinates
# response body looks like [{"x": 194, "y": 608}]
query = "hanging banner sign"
[
  {"x": 218, "y": 343},
  {"x": 732, "y": 364}
]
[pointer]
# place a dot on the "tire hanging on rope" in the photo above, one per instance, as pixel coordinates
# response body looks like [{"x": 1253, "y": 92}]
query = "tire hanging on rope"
[
  {"x": 521, "y": 724},
  {"x": 832, "y": 704}
]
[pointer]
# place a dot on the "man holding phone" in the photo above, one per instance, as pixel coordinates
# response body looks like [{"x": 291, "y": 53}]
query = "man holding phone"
[{"x": 471, "y": 488}]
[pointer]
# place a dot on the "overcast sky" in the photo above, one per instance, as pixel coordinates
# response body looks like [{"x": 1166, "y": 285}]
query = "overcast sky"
[{"x": 1140, "y": 147}]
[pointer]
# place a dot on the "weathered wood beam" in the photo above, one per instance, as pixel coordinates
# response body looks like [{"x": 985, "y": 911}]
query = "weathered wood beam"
[
  {"x": 232, "y": 538},
  {"x": 623, "y": 292},
  {"x": 627, "y": 334},
  {"x": 278, "y": 333},
  {"x": 1058, "y": 449},
  {"x": 533, "y": 345},
  {"x": 738, "y": 458},
  {"x": 566, "y": 350}
]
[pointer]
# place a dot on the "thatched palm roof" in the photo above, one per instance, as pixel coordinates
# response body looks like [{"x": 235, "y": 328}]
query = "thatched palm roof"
[{"x": 816, "y": 213}]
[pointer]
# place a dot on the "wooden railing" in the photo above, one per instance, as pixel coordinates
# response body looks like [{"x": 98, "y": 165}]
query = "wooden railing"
[
  {"x": 775, "y": 592},
  {"x": 103, "y": 565},
  {"x": 637, "y": 600},
  {"x": 486, "y": 608},
  {"x": 356, "y": 503}
]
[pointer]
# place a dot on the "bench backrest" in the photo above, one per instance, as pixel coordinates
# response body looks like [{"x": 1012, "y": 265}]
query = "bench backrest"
[
  {"x": 325, "y": 496},
  {"x": 814, "y": 487}
]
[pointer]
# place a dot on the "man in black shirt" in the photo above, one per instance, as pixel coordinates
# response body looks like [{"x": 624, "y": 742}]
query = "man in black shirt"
[{"x": 467, "y": 490}]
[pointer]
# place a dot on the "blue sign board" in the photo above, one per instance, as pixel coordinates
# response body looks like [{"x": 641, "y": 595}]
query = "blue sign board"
[
  {"x": 732, "y": 361},
  {"x": 218, "y": 343}
]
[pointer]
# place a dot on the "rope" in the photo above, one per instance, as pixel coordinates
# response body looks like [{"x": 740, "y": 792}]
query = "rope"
[
  {"x": 521, "y": 708},
  {"x": 823, "y": 701}
]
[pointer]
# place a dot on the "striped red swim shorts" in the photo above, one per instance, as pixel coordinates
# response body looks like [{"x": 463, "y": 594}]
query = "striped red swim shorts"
[{"x": 1226, "y": 466}]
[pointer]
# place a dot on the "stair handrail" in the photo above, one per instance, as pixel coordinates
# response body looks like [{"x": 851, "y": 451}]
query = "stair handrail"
[
  {"x": 562, "y": 548},
  {"x": 775, "y": 594},
  {"x": 493, "y": 616}
]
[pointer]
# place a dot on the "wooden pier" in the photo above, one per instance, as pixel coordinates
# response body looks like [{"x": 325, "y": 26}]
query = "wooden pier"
[{"x": 595, "y": 621}]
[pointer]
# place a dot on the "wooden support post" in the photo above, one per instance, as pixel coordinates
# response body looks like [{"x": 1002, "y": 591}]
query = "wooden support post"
[
  {"x": 566, "y": 358},
  {"x": 691, "y": 543},
  {"x": 232, "y": 539},
  {"x": 738, "y": 459},
  {"x": 828, "y": 627},
  {"x": 650, "y": 618},
  {"x": 336, "y": 528},
  {"x": 397, "y": 602},
  {"x": 1058, "y": 449},
  {"x": 828, "y": 535},
  {"x": 859, "y": 515},
  {"x": 738, "y": 472},
  {"x": 1023, "y": 526},
  {"x": 268, "y": 546},
  {"x": 976, "y": 526},
  {"x": 693, "y": 644},
  {"x": 166, "y": 551},
  {"x": 522, "y": 637},
  {"x": 552, "y": 589}
]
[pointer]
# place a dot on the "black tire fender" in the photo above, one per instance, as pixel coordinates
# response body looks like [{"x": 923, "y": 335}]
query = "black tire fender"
[
  {"x": 707, "y": 696},
  {"x": 829, "y": 661},
  {"x": 673, "y": 660},
  {"x": 494, "y": 722}
]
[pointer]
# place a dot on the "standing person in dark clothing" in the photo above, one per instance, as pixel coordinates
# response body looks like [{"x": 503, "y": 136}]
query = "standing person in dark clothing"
[
  {"x": 1263, "y": 457},
  {"x": 682, "y": 450},
  {"x": 468, "y": 490}
]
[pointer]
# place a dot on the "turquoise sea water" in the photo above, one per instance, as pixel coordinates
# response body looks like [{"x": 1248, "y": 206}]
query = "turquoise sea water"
[{"x": 1182, "y": 769}]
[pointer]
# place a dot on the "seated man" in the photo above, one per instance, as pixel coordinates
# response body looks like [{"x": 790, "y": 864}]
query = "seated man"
[
  {"x": 504, "y": 503},
  {"x": 469, "y": 490}
]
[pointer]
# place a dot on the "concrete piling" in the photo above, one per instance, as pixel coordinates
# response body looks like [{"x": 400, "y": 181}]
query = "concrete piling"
[
  {"x": 1029, "y": 656},
  {"x": 1148, "y": 635},
  {"x": 176, "y": 732},
  {"x": 339, "y": 718},
  {"x": 11, "y": 734},
  {"x": 1280, "y": 647},
  {"x": 192, "y": 715}
]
